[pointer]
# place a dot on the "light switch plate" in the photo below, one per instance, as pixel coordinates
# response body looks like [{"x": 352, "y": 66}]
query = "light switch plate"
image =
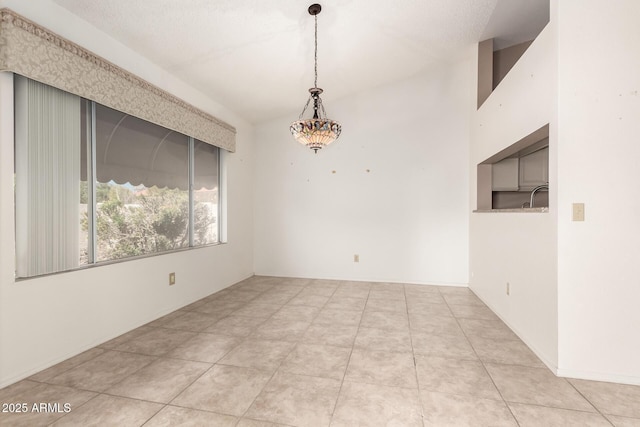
[{"x": 578, "y": 211}]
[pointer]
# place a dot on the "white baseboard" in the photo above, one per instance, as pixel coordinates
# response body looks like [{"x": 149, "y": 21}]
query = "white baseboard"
[
  {"x": 564, "y": 372},
  {"x": 549, "y": 364},
  {"x": 100, "y": 340},
  {"x": 598, "y": 376},
  {"x": 456, "y": 285}
]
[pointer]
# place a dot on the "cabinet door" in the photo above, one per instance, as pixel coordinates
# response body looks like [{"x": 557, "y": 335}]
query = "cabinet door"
[
  {"x": 534, "y": 169},
  {"x": 504, "y": 175}
]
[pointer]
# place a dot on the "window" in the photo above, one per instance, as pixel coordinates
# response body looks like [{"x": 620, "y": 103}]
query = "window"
[{"x": 94, "y": 184}]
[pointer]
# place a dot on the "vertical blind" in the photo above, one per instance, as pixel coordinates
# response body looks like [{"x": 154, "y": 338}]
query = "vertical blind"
[{"x": 47, "y": 178}]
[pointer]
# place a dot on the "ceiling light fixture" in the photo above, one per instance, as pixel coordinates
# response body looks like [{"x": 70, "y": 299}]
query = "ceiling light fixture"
[{"x": 318, "y": 131}]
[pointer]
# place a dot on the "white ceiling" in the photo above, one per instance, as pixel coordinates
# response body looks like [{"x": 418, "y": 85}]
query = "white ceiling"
[{"x": 256, "y": 57}]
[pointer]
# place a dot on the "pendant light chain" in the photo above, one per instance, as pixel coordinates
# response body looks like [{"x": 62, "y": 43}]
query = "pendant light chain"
[{"x": 315, "y": 56}]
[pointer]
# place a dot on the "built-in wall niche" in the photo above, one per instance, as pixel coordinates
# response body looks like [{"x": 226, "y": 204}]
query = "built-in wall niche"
[{"x": 507, "y": 179}]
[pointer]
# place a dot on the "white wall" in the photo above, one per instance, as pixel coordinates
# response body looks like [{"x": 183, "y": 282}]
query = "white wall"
[
  {"x": 519, "y": 248},
  {"x": 599, "y": 259},
  {"x": 45, "y": 320},
  {"x": 392, "y": 189}
]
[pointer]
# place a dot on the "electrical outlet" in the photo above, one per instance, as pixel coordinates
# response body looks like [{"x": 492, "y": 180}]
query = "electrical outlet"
[
  {"x": 356, "y": 258},
  {"x": 508, "y": 289},
  {"x": 172, "y": 279}
]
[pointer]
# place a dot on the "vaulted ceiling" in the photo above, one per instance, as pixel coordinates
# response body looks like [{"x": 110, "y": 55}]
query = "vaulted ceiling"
[{"x": 256, "y": 57}]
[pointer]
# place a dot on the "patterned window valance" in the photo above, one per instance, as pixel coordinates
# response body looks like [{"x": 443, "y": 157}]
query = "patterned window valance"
[{"x": 35, "y": 52}]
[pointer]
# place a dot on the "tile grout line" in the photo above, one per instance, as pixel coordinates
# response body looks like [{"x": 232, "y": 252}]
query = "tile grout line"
[
  {"x": 103, "y": 392},
  {"x": 84, "y": 403},
  {"x": 239, "y": 418},
  {"x": 278, "y": 367},
  {"x": 45, "y": 381},
  {"x": 504, "y": 401},
  {"x": 255, "y": 298},
  {"x": 164, "y": 405},
  {"x": 163, "y": 356},
  {"x": 590, "y": 403},
  {"x": 335, "y": 405},
  {"x": 155, "y": 359},
  {"x": 413, "y": 354},
  {"x": 285, "y": 357},
  {"x": 244, "y": 303}
]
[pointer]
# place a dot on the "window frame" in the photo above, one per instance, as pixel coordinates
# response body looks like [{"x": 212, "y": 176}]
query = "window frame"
[{"x": 91, "y": 182}]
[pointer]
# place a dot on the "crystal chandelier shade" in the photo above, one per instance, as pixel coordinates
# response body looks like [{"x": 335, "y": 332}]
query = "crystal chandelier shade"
[{"x": 318, "y": 131}]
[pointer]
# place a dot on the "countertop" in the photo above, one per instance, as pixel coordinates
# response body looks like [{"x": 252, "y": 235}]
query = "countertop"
[{"x": 514, "y": 210}]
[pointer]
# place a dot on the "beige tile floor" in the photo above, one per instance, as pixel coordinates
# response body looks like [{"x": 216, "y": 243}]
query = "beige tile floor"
[{"x": 297, "y": 352}]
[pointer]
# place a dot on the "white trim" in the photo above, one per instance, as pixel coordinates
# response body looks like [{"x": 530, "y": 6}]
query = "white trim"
[
  {"x": 552, "y": 366},
  {"x": 7, "y": 212},
  {"x": 598, "y": 376}
]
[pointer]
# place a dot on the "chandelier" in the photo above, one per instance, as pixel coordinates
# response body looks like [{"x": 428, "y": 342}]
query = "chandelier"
[{"x": 318, "y": 131}]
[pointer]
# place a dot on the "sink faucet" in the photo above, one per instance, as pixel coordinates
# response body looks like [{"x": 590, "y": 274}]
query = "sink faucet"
[{"x": 535, "y": 190}]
